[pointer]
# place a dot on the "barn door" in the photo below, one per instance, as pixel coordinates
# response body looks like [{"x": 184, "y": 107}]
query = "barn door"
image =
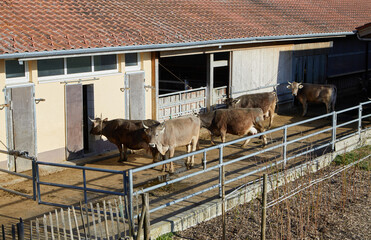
[
  {"x": 135, "y": 104},
  {"x": 21, "y": 125},
  {"x": 74, "y": 121}
]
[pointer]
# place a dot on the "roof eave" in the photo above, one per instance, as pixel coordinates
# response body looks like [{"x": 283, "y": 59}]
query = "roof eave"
[{"x": 27, "y": 56}]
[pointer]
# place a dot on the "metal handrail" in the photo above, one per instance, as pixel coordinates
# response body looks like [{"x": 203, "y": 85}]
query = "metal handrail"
[{"x": 332, "y": 129}]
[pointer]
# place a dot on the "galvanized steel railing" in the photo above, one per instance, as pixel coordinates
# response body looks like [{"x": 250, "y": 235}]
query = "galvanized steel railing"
[{"x": 222, "y": 163}]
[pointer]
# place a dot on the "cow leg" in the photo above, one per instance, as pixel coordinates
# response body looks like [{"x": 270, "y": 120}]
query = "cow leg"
[
  {"x": 164, "y": 165},
  {"x": 125, "y": 153},
  {"x": 120, "y": 152},
  {"x": 223, "y": 135},
  {"x": 305, "y": 106},
  {"x": 259, "y": 126},
  {"x": 252, "y": 131},
  {"x": 171, "y": 154},
  {"x": 194, "y": 148},
  {"x": 271, "y": 115},
  {"x": 188, "y": 161},
  {"x": 155, "y": 154},
  {"x": 212, "y": 139}
]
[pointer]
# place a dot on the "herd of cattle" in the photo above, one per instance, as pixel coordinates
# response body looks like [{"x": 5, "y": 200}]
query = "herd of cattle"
[{"x": 244, "y": 116}]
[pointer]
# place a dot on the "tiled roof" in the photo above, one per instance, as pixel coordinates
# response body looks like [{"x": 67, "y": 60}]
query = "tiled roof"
[{"x": 48, "y": 25}]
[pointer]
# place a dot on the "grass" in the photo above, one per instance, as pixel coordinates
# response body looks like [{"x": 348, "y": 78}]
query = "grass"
[
  {"x": 167, "y": 236},
  {"x": 355, "y": 155}
]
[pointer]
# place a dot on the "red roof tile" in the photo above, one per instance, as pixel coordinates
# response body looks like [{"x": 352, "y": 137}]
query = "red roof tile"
[{"x": 43, "y": 25}]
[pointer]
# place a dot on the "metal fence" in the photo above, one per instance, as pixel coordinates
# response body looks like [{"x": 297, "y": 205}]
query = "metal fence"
[
  {"x": 286, "y": 145},
  {"x": 281, "y": 146}
]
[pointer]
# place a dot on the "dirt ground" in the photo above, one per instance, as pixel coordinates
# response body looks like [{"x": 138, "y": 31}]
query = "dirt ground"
[
  {"x": 337, "y": 208},
  {"x": 13, "y": 207}
]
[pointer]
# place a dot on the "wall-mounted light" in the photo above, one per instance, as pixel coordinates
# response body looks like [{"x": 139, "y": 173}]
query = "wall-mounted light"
[
  {"x": 20, "y": 62},
  {"x": 2, "y": 106},
  {"x": 38, "y": 100},
  {"x": 124, "y": 89}
]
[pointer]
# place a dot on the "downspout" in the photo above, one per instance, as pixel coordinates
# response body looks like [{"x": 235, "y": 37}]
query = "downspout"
[{"x": 365, "y": 84}]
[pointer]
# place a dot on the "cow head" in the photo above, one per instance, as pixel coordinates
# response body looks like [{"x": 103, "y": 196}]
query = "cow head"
[
  {"x": 232, "y": 103},
  {"x": 155, "y": 136},
  {"x": 295, "y": 87},
  {"x": 97, "y": 126}
]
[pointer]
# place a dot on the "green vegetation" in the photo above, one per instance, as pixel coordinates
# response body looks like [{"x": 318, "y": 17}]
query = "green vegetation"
[
  {"x": 355, "y": 155},
  {"x": 167, "y": 236}
]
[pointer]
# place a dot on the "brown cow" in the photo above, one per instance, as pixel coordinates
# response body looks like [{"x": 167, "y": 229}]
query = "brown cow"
[
  {"x": 266, "y": 101},
  {"x": 239, "y": 121},
  {"x": 314, "y": 93},
  {"x": 124, "y": 134},
  {"x": 183, "y": 131}
]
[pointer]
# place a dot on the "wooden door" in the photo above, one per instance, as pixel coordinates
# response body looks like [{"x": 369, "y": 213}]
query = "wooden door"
[
  {"x": 74, "y": 121},
  {"x": 21, "y": 125},
  {"x": 136, "y": 104}
]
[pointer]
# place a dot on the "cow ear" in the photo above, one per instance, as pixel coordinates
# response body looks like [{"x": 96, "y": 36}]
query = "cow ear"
[
  {"x": 106, "y": 119},
  {"x": 301, "y": 86},
  {"x": 289, "y": 86}
]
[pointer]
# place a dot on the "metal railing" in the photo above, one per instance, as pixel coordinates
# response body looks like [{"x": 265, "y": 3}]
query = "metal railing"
[
  {"x": 24, "y": 155},
  {"x": 85, "y": 189},
  {"x": 330, "y": 144}
]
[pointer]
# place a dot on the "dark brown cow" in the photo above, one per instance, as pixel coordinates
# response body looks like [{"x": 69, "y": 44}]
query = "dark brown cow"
[
  {"x": 183, "y": 131},
  {"x": 266, "y": 101},
  {"x": 314, "y": 93},
  {"x": 239, "y": 121},
  {"x": 124, "y": 134}
]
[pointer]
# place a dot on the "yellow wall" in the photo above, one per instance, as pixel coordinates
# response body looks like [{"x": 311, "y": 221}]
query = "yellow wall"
[
  {"x": 109, "y": 102},
  {"x": 3, "y": 157},
  {"x": 50, "y": 115},
  {"x": 147, "y": 67}
]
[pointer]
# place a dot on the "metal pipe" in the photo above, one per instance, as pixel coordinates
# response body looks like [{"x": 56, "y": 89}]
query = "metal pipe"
[
  {"x": 80, "y": 167},
  {"x": 334, "y": 121},
  {"x": 27, "y": 56},
  {"x": 360, "y": 122},
  {"x": 85, "y": 191},
  {"x": 284, "y": 146},
  {"x": 221, "y": 171},
  {"x": 130, "y": 199}
]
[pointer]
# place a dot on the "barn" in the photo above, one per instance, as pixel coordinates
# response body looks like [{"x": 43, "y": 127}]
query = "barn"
[{"x": 63, "y": 62}]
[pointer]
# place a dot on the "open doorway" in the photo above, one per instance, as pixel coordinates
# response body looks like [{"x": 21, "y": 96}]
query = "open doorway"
[{"x": 88, "y": 112}]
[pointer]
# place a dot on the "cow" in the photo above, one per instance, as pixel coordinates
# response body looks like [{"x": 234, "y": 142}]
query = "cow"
[
  {"x": 266, "y": 101},
  {"x": 314, "y": 93},
  {"x": 236, "y": 121},
  {"x": 182, "y": 131},
  {"x": 124, "y": 134}
]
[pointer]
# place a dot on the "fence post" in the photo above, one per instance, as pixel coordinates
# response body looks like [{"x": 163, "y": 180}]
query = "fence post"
[
  {"x": 130, "y": 203},
  {"x": 284, "y": 146},
  {"x": 20, "y": 229},
  {"x": 37, "y": 182},
  {"x": 147, "y": 223},
  {"x": 34, "y": 178},
  {"x": 204, "y": 161},
  {"x": 334, "y": 123},
  {"x": 220, "y": 169},
  {"x": 3, "y": 231},
  {"x": 360, "y": 122},
  {"x": 85, "y": 192},
  {"x": 223, "y": 203},
  {"x": 264, "y": 207}
]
